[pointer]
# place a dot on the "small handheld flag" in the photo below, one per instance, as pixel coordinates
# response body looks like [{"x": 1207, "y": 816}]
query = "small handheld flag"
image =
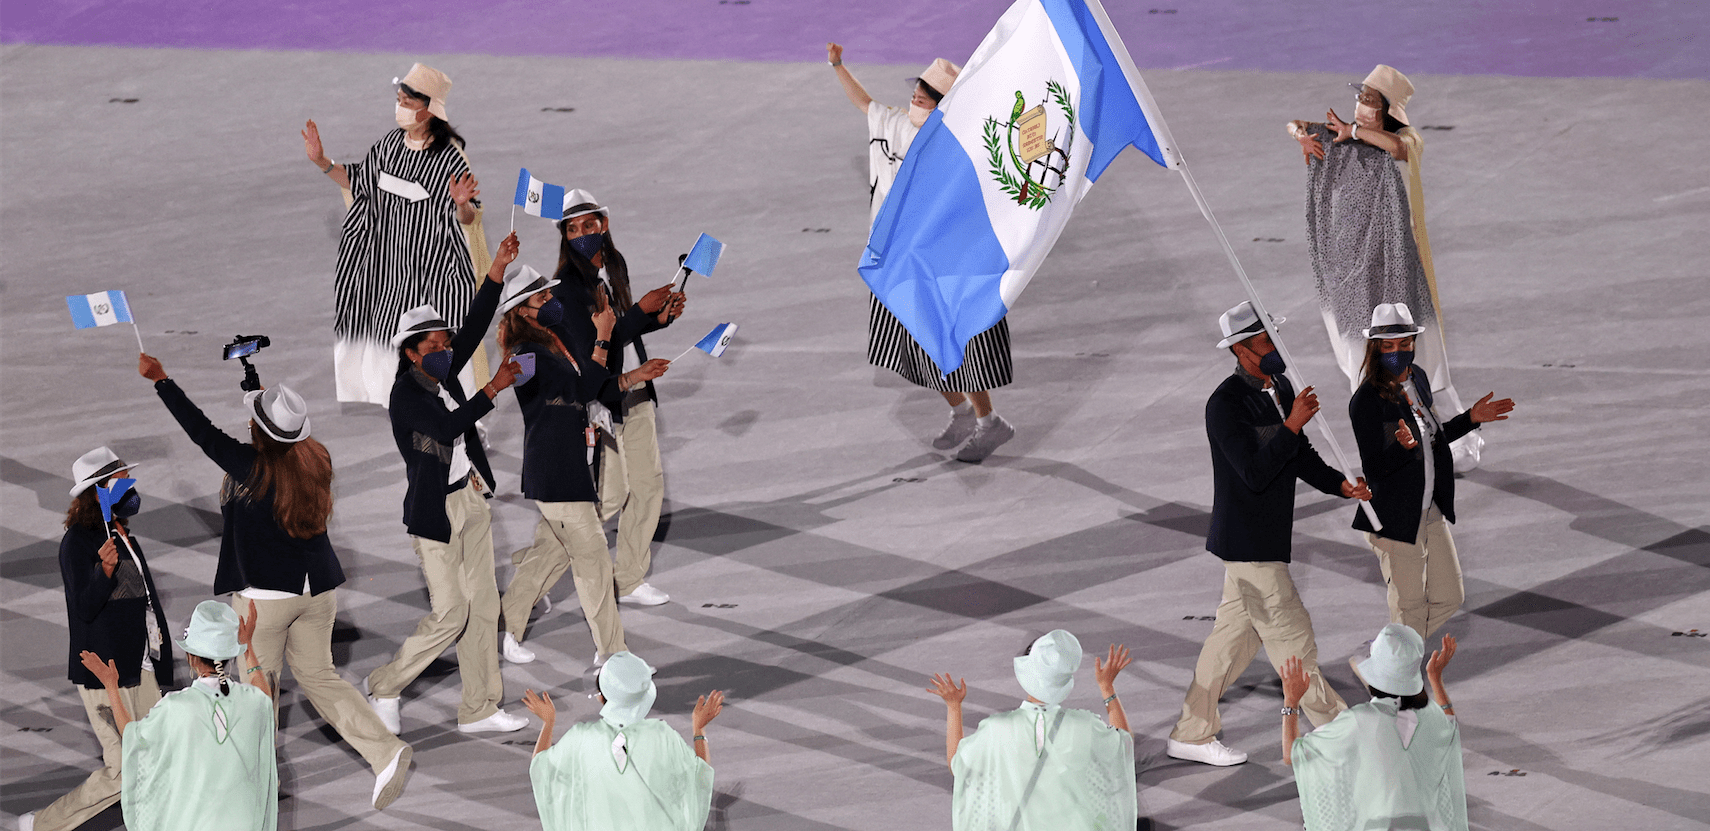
[
  {"x": 715, "y": 342},
  {"x": 701, "y": 259},
  {"x": 536, "y": 198},
  {"x": 103, "y": 308},
  {"x": 108, "y": 497}
]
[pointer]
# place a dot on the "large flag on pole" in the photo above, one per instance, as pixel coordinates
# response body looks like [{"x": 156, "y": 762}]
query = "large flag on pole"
[{"x": 1045, "y": 104}]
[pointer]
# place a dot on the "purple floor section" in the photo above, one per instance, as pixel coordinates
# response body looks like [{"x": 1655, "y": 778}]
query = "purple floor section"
[{"x": 1571, "y": 38}]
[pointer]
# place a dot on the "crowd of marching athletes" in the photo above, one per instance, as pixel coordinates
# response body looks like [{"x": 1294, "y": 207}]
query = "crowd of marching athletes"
[{"x": 417, "y": 293}]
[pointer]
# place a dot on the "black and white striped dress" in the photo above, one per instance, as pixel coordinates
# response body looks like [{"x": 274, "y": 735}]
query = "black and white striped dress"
[
  {"x": 986, "y": 362},
  {"x": 394, "y": 255}
]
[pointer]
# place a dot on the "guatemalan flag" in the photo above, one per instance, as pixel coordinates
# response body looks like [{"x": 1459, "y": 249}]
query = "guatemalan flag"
[
  {"x": 538, "y": 198},
  {"x": 1045, "y": 104},
  {"x": 103, "y": 308}
]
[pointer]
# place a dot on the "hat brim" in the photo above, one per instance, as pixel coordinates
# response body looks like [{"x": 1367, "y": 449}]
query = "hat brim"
[
  {"x": 96, "y": 478},
  {"x": 1241, "y": 336},
  {"x": 1391, "y": 335},
  {"x": 266, "y": 424},
  {"x": 597, "y": 209},
  {"x": 507, "y": 305},
  {"x": 398, "y": 339},
  {"x": 1390, "y": 678},
  {"x": 187, "y": 648}
]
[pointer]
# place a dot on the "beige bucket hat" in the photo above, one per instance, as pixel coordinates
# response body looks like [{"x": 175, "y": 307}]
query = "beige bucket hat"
[
  {"x": 430, "y": 82},
  {"x": 1396, "y": 89}
]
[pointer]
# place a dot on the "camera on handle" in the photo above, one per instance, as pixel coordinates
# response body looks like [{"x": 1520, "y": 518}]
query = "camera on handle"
[{"x": 241, "y": 348}]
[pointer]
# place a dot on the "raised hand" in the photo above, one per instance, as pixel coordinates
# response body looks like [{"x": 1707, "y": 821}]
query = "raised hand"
[
  {"x": 312, "y": 144},
  {"x": 674, "y": 307},
  {"x": 1343, "y": 130},
  {"x": 1107, "y": 668},
  {"x": 1356, "y": 490},
  {"x": 946, "y": 688},
  {"x": 507, "y": 373},
  {"x": 464, "y": 188},
  {"x": 604, "y": 318},
  {"x": 1405, "y": 435},
  {"x": 1304, "y": 408},
  {"x": 1294, "y": 681},
  {"x": 654, "y": 301},
  {"x": 150, "y": 368},
  {"x": 1439, "y": 660},
  {"x": 1488, "y": 410},
  {"x": 106, "y": 672},
  {"x": 246, "y": 626},
  {"x": 707, "y": 708},
  {"x": 834, "y": 53},
  {"x": 540, "y": 705},
  {"x": 502, "y": 259}
]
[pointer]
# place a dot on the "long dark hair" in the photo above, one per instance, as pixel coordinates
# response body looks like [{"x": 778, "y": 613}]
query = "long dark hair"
[
  {"x": 299, "y": 475},
  {"x": 440, "y": 133},
  {"x": 577, "y": 269},
  {"x": 515, "y": 328},
  {"x": 1391, "y": 124},
  {"x": 1372, "y": 372},
  {"x": 86, "y": 510},
  {"x": 1407, "y": 702}
]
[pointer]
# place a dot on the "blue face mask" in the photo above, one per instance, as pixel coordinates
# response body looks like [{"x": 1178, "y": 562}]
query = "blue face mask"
[
  {"x": 588, "y": 245},
  {"x": 1396, "y": 362},
  {"x": 128, "y": 504},
  {"x": 549, "y": 313},
  {"x": 1272, "y": 364},
  {"x": 437, "y": 364}
]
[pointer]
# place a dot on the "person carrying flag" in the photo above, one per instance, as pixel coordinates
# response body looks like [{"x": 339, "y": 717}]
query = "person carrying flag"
[{"x": 973, "y": 427}]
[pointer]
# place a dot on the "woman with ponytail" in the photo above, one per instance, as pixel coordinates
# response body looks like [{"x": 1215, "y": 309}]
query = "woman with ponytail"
[
  {"x": 208, "y": 744},
  {"x": 275, "y": 554}
]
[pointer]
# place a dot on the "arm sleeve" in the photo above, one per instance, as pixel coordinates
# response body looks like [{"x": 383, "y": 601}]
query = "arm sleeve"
[
  {"x": 1235, "y": 436},
  {"x": 233, "y": 456},
  {"x": 633, "y": 324},
  {"x": 1317, "y": 472},
  {"x": 87, "y": 586},
  {"x": 430, "y": 418},
  {"x": 475, "y": 324},
  {"x": 1380, "y": 454},
  {"x": 1458, "y": 426}
]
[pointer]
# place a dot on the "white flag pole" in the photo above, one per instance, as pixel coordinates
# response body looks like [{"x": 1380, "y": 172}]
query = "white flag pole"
[
  {"x": 513, "y": 217},
  {"x": 139, "y": 335},
  {"x": 686, "y": 354},
  {"x": 1172, "y": 157}
]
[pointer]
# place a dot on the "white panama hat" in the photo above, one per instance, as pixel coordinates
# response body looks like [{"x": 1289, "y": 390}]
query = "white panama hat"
[
  {"x": 1240, "y": 323},
  {"x": 424, "y": 318},
  {"x": 626, "y": 681},
  {"x": 281, "y": 412},
  {"x": 521, "y": 285},
  {"x": 1391, "y": 321},
  {"x": 578, "y": 202},
  {"x": 94, "y": 466},
  {"x": 1047, "y": 671}
]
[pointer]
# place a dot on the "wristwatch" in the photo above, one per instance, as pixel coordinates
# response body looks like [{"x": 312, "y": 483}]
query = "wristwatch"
[
  {"x": 1292, "y": 711},
  {"x": 603, "y": 344}
]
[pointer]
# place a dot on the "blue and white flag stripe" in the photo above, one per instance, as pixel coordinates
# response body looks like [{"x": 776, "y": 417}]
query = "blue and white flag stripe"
[
  {"x": 717, "y": 340},
  {"x": 703, "y": 258},
  {"x": 966, "y": 224},
  {"x": 538, "y": 198},
  {"x": 103, "y": 308},
  {"x": 110, "y": 496}
]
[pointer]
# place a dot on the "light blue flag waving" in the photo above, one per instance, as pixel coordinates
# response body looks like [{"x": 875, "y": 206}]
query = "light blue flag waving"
[
  {"x": 715, "y": 342},
  {"x": 110, "y": 496},
  {"x": 103, "y": 308},
  {"x": 538, "y": 198},
  {"x": 1042, "y": 108},
  {"x": 703, "y": 258}
]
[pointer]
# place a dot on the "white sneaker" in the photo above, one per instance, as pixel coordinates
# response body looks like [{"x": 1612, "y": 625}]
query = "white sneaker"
[
  {"x": 986, "y": 438},
  {"x": 499, "y": 722},
  {"x": 27, "y": 822},
  {"x": 961, "y": 426},
  {"x": 514, "y": 652},
  {"x": 546, "y": 604},
  {"x": 644, "y": 595},
  {"x": 389, "y": 785},
  {"x": 1211, "y": 753},
  {"x": 386, "y": 709}
]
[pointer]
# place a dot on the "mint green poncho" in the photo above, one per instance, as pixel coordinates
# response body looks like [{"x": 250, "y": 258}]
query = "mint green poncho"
[
  {"x": 1085, "y": 784},
  {"x": 664, "y": 786},
  {"x": 1354, "y": 773},
  {"x": 183, "y": 772}
]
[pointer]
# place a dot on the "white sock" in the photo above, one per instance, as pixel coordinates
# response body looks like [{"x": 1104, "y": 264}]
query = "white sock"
[
  {"x": 989, "y": 419},
  {"x": 963, "y": 408}
]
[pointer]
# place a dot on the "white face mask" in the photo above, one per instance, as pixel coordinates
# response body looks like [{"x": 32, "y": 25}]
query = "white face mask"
[
  {"x": 1367, "y": 115},
  {"x": 917, "y": 115},
  {"x": 405, "y": 116}
]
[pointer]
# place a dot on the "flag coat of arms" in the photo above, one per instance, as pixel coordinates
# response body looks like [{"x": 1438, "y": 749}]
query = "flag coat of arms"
[
  {"x": 1041, "y": 109},
  {"x": 538, "y": 198},
  {"x": 103, "y": 308},
  {"x": 717, "y": 340}
]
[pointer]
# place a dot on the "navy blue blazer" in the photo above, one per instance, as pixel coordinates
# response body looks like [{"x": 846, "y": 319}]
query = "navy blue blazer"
[
  {"x": 254, "y": 551},
  {"x": 115, "y": 628},
  {"x": 631, "y": 325},
  {"x": 554, "y": 406},
  {"x": 425, "y": 430},
  {"x": 1395, "y": 474},
  {"x": 1255, "y": 461}
]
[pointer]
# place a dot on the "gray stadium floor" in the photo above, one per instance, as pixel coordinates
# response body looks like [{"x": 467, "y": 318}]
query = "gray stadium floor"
[{"x": 823, "y": 560}]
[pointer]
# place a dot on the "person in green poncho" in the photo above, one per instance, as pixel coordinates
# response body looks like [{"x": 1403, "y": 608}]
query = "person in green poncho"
[
  {"x": 203, "y": 758},
  {"x": 1392, "y": 762},
  {"x": 1043, "y": 765},
  {"x": 624, "y": 771}
]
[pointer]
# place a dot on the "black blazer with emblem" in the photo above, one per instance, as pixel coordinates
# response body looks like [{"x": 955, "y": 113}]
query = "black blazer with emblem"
[
  {"x": 1255, "y": 461},
  {"x": 1395, "y": 474},
  {"x": 425, "y": 429}
]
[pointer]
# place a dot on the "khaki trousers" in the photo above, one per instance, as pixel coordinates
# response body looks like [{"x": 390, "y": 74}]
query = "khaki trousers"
[
  {"x": 102, "y": 787},
  {"x": 1424, "y": 579},
  {"x": 1259, "y": 607},
  {"x": 463, "y": 597},
  {"x": 569, "y": 536},
  {"x": 298, "y": 631},
  {"x": 632, "y": 481}
]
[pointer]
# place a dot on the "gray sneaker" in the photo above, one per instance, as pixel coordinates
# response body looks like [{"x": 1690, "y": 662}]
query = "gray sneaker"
[
  {"x": 986, "y": 439},
  {"x": 957, "y": 431}
]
